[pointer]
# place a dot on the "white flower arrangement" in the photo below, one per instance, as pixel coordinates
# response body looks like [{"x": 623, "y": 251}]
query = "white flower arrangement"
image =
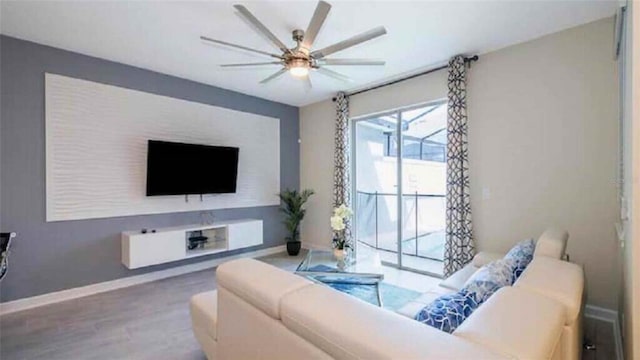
[{"x": 338, "y": 219}]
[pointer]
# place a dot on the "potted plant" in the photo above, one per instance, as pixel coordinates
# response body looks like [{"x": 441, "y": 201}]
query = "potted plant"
[
  {"x": 292, "y": 206},
  {"x": 340, "y": 215}
]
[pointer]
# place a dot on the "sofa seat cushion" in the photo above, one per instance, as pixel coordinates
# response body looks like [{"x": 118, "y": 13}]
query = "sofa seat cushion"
[
  {"x": 204, "y": 312},
  {"x": 258, "y": 283},
  {"x": 517, "y": 322},
  {"x": 456, "y": 281},
  {"x": 560, "y": 280},
  {"x": 346, "y": 328}
]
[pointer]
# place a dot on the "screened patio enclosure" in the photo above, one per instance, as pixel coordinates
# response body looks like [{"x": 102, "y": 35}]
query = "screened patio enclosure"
[{"x": 418, "y": 137}]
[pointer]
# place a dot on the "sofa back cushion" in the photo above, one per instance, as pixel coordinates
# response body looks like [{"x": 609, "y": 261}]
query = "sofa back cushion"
[
  {"x": 552, "y": 243},
  {"x": 260, "y": 284},
  {"x": 559, "y": 280}
]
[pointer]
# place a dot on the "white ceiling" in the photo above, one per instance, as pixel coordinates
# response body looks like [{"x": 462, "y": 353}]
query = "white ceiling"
[{"x": 163, "y": 36}]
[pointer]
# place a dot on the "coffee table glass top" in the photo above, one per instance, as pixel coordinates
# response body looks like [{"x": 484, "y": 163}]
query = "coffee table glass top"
[
  {"x": 360, "y": 277},
  {"x": 323, "y": 262}
]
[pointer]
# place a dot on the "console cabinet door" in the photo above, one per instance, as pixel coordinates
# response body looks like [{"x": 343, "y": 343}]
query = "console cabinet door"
[
  {"x": 156, "y": 248},
  {"x": 242, "y": 235}
]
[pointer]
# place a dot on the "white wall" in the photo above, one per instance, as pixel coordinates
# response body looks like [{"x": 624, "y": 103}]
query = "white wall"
[
  {"x": 543, "y": 136},
  {"x": 423, "y": 89},
  {"x": 316, "y": 170},
  {"x": 96, "y": 165}
]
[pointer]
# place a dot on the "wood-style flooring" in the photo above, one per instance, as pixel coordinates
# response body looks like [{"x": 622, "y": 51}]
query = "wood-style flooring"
[{"x": 151, "y": 321}]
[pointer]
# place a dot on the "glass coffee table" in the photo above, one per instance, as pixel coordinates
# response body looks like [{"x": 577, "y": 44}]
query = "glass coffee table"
[{"x": 358, "y": 277}]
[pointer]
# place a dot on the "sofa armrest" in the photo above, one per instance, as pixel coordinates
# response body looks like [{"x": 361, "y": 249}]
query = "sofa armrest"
[{"x": 484, "y": 257}]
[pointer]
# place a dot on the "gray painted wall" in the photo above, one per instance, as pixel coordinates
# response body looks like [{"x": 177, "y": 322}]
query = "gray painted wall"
[{"x": 54, "y": 256}]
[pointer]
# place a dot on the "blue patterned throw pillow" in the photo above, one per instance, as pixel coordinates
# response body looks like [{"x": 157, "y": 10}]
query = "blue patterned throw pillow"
[
  {"x": 448, "y": 311},
  {"x": 520, "y": 256},
  {"x": 499, "y": 272},
  {"x": 481, "y": 290}
]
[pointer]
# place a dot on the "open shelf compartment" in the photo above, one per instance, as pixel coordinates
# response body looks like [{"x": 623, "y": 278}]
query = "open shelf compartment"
[{"x": 216, "y": 241}]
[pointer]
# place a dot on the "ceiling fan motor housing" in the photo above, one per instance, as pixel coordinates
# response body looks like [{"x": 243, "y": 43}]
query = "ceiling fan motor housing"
[{"x": 297, "y": 35}]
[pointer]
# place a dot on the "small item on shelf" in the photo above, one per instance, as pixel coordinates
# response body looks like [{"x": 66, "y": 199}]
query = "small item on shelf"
[
  {"x": 144, "y": 231},
  {"x": 197, "y": 240}
]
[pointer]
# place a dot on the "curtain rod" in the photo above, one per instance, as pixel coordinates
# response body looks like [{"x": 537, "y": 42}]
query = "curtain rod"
[{"x": 467, "y": 60}]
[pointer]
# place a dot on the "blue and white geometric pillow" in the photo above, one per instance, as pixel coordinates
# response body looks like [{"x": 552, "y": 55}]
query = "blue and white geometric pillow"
[
  {"x": 499, "y": 272},
  {"x": 480, "y": 290},
  {"x": 448, "y": 311},
  {"x": 520, "y": 256}
]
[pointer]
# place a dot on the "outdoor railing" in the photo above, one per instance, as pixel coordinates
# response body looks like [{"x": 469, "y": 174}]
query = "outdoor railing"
[{"x": 424, "y": 216}]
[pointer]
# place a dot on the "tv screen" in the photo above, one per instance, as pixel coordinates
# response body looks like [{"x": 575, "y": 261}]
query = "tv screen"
[{"x": 184, "y": 169}]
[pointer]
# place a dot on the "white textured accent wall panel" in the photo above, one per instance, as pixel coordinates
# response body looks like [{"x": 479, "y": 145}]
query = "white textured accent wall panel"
[{"x": 96, "y": 150}]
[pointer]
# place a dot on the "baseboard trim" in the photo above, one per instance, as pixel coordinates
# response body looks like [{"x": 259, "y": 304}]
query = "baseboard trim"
[
  {"x": 611, "y": 316},
  {"x": 70, "y": 294}
]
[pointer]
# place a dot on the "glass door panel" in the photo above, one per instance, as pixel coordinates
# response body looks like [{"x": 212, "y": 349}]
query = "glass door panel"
[
  {"x": 376, "y": 186},
  {"x": 423, "y": 167}
]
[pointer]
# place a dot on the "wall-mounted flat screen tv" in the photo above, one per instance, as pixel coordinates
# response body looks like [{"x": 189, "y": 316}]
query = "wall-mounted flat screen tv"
[{"x": 186, "y": 169}]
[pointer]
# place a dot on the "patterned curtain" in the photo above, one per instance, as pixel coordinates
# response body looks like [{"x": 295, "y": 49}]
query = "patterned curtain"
[
  {"x": 342, "y": 162},
  {"x": 459, "y": 247}
]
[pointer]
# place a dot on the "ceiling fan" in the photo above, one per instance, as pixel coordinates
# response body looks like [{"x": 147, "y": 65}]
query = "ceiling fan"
[{"x": 299, "y": 60}]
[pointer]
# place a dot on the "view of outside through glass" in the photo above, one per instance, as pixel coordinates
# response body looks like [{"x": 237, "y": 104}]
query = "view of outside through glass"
[{"x": 423, "y": 164}]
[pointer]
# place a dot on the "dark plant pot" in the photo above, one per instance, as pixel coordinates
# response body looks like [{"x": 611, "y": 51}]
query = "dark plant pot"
[{"x": 293, "y": 247}]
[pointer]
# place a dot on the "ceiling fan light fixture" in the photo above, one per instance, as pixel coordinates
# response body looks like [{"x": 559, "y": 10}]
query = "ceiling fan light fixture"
[
  {"x": 299, "y": 71},
  {"x": 299, "y": 68}
]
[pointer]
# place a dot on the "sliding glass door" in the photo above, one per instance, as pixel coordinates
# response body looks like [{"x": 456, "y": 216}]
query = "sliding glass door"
[
  {"x": 400, "y": 176},
  {"x": 376, "y": 189}
]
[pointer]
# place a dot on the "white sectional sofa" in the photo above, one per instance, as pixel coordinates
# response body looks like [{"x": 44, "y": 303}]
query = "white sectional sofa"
[{"x": 262, "y": 312}]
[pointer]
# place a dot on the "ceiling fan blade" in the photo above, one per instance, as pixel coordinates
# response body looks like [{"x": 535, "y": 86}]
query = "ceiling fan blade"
[
  {"x": 307, "y": 82},
  {"x": 333, "y": 74},
  {"x": 272, "y": 77},
  {"x": 318, "y": 18},
  {"x": 365, "y": 36},
  {"x": 351, "y": 62},
  {"x": 252, "y": 64},
  {"x": 260, "y": 27},
  {"x": 204, "y": 38}
]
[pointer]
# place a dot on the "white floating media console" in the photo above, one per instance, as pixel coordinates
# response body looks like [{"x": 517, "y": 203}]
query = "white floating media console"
[{"x": 172, "y": 244}]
